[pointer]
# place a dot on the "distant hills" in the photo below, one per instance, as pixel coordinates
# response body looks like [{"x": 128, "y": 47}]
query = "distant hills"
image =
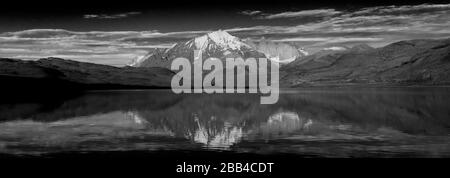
[
  {"x": 404, "y": 62},
  {"x": 59, "y": 74}
]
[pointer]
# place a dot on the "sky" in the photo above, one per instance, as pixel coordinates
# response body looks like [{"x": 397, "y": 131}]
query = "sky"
[{"x": 115, "y": 33}]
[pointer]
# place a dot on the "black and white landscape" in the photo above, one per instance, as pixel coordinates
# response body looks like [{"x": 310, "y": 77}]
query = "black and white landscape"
[
  {"x": 356, "y": 80},
  {"x": 409, "y": 62}
]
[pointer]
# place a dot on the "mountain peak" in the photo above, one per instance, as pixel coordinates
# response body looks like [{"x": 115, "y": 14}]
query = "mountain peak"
[
  {"x": 220, "y": 34},
  {"x": 220, "y": 38},
  {"x": 219, "y": 44}
]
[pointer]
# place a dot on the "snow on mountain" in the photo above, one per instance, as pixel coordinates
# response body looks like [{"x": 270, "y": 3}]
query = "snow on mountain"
[
  {"x": 358, "y": 47},
  {"x": 218, "y": 44},
  {"x": 303, "y": 52},
  {"x": 335, "y": 48},
  {"x": 220, "y": 38},
  {"x": 143, "y": 61},
  {"x": 138, "y": 60}
]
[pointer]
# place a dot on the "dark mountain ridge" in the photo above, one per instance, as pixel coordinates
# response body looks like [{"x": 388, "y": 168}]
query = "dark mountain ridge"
[
  {"x": 59, "y": 74},
  {"x": 410, "y": 62}
]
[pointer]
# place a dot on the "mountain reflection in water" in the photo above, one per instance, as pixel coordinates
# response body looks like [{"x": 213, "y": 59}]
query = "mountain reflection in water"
[{"x": 310, "y": 122}]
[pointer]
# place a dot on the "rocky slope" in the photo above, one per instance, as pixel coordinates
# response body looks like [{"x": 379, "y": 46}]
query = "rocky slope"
[
  {"x": 55, "y": 74},
  {"x": 404, "y": 62}
]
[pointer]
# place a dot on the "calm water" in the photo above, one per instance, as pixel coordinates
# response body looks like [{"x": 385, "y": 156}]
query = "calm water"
[{"x": 393, "y": 122}]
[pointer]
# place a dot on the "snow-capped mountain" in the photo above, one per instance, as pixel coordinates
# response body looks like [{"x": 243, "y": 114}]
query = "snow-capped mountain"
[
  {"x": 218, "y": 44},
  {"x": 217, "y": 39}
]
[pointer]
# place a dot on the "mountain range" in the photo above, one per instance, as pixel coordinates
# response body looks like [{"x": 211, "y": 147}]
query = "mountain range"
[
  {"x": 219, "y": 44},
  {"x": 410, "y": 62},
  {"x": 404, "y": 62}
]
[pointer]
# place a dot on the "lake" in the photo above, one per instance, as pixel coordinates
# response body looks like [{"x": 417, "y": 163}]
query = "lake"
[{"x": 313, "y": 122}]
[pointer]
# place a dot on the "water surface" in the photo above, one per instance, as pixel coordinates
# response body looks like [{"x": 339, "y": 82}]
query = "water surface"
[{"x": 362, "y": 122}]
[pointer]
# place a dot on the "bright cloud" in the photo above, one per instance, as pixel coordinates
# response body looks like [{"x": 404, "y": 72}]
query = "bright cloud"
[
  {"x": 110, "y": 16},
  {"x": 304, "y": 13},
  {"x": 248, "y": 12}
]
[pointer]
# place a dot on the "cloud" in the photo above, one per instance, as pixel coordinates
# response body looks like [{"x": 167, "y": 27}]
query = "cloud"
[
  {"x": 110, "y": 16},
  {"x": 104, "y": 47},
  {"x": 304, "y": 13},
  {"x": 249, "y": 12},
  {"x": 387, "y": 22},
  {"x": 405, "y": 9},
  {"x": 329, "y": 39},
  {"x": 93, "y": 46}
]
